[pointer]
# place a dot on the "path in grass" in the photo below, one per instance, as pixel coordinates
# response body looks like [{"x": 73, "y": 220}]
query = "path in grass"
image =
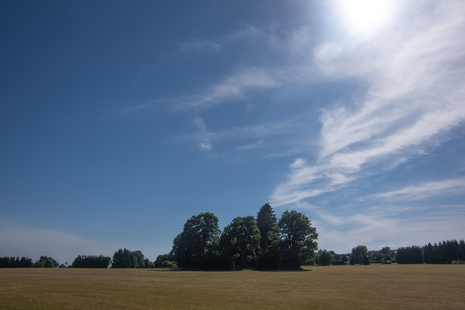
[{"x": 334, "y": 287}]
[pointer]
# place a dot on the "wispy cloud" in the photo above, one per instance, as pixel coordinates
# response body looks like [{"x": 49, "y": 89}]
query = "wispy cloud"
[
  {"x": 235, "y": 86},
  {"x": 202, "y": 136},
  {"x": 415, "y": 97},
  {"x": 200, "y": 46},
  {"x": 206, "y": 138},
  {"x": 426, "y": 190}
]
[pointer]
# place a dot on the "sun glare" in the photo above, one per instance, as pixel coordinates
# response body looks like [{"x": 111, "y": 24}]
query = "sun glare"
[{"x": 366, "y": 16}]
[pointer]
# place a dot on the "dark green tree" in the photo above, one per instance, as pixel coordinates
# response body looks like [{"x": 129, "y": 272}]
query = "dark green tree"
[
  {"x": 352, "y": 260},
  {"x": 266, "y": 222},
  {"x": 140, "y": 259},
  {"x": 366, "y": 260},
  {"x": 325, "y": 258},
  {"x": 297, "y": 239},
  {"x": 124, "y": 259},
  {"x": 270, "y": 254},
  {"x": 358, "y": 255},
  {"x": 196, "y": 246},
  {"x": 428, "y": 253},
  {"x": 240, "y": 242}
]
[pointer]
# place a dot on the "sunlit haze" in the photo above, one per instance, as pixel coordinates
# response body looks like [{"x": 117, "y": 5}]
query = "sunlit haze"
[{"x": 366, "y": 16}]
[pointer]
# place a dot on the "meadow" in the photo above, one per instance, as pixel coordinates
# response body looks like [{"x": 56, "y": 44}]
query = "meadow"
[{"x": 316, "y": 287}]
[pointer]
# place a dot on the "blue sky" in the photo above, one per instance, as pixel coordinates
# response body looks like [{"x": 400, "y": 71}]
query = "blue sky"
[{"x": 119, "y": 120}]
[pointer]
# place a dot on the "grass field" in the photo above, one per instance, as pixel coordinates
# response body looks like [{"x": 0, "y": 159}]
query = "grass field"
[{"x": 335, "y": 287}]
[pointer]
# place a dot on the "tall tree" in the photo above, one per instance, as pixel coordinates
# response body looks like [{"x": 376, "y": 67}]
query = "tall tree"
[
  {"x": 298, "y": 237},
  {"x": 270, "y": 255},
  {"x": 358, "y": 255},
  {"x": 266, "y": 222},
  {"x": 240, "y": 241},
  {"x": 195, "y": 245}
]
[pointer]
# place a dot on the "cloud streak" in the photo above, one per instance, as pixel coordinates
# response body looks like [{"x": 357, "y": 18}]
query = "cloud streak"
[
  {"x": 415, "y": 97},
  {"x": 235, "y": 86},
  {"x": 426, "y": 190},
  {"x": 206, "y": 138}
]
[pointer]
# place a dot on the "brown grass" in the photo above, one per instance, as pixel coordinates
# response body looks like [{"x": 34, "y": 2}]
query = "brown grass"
[{"x": 334, "y": 287}]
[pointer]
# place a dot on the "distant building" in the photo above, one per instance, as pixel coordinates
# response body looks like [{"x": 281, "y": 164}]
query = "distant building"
[{"x": 65, "y": 265}]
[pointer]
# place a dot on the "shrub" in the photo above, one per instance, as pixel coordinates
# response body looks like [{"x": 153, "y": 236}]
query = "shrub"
[{"x": 169, "y": 264}]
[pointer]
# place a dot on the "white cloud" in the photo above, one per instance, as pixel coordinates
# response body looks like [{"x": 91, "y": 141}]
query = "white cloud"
[
  {"x": 251, "y": 146},
  {"x": 416, "y": 96},
  {"x": 299, "y": 162},
  {"x": 426, "y": 190},
  {"x": 202, "y": 136}
]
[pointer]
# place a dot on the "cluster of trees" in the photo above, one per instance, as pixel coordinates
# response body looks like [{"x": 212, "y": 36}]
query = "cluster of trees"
[
  {"x": 409, "y": 255},
  {"x": 92, "y": 261},
  {"x": 127, "y": 259},
  {"x": 46, "y": 262},
  {"x": 263, "y": 243},
  {"x": 16, "y": 262},
  {"x": 123, "y": 258},
  {"x": 444, "y": 252},
  {"x": 441, "y": 253},
  {"x": 26, "y": 262},
  {"x": 359, "y": 255}
]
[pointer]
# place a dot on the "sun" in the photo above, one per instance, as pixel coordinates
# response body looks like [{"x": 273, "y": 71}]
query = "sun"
[{"x": 366, "y": 16}]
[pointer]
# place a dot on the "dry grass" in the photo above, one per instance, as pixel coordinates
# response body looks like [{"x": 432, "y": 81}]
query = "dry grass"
[{"x": 335, "y": 287}]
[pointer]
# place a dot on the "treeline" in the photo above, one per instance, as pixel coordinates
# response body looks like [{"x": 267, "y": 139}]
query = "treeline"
[
  {"x": 16, "y": 262},
  {"x": 127, "y": 259},
  {"x": 445, "y": 252},
  {"x": 123, "y": 258},
  {"x": 92, "y": 261},
  {"x": 26, "y": 262},
  {"x": 442, "y": 253},
  {"x": 261, "y": 243}
]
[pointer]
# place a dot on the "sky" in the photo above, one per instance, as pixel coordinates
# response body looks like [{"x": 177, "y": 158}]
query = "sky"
[{"x": 119, "y": 120}]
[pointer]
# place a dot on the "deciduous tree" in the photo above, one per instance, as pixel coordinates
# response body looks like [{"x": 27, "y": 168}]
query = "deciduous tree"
[
  {"x": 240, "y": 241},
  {"x": 297, "y": 239},
  {"x": 196, "y": 244}
]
